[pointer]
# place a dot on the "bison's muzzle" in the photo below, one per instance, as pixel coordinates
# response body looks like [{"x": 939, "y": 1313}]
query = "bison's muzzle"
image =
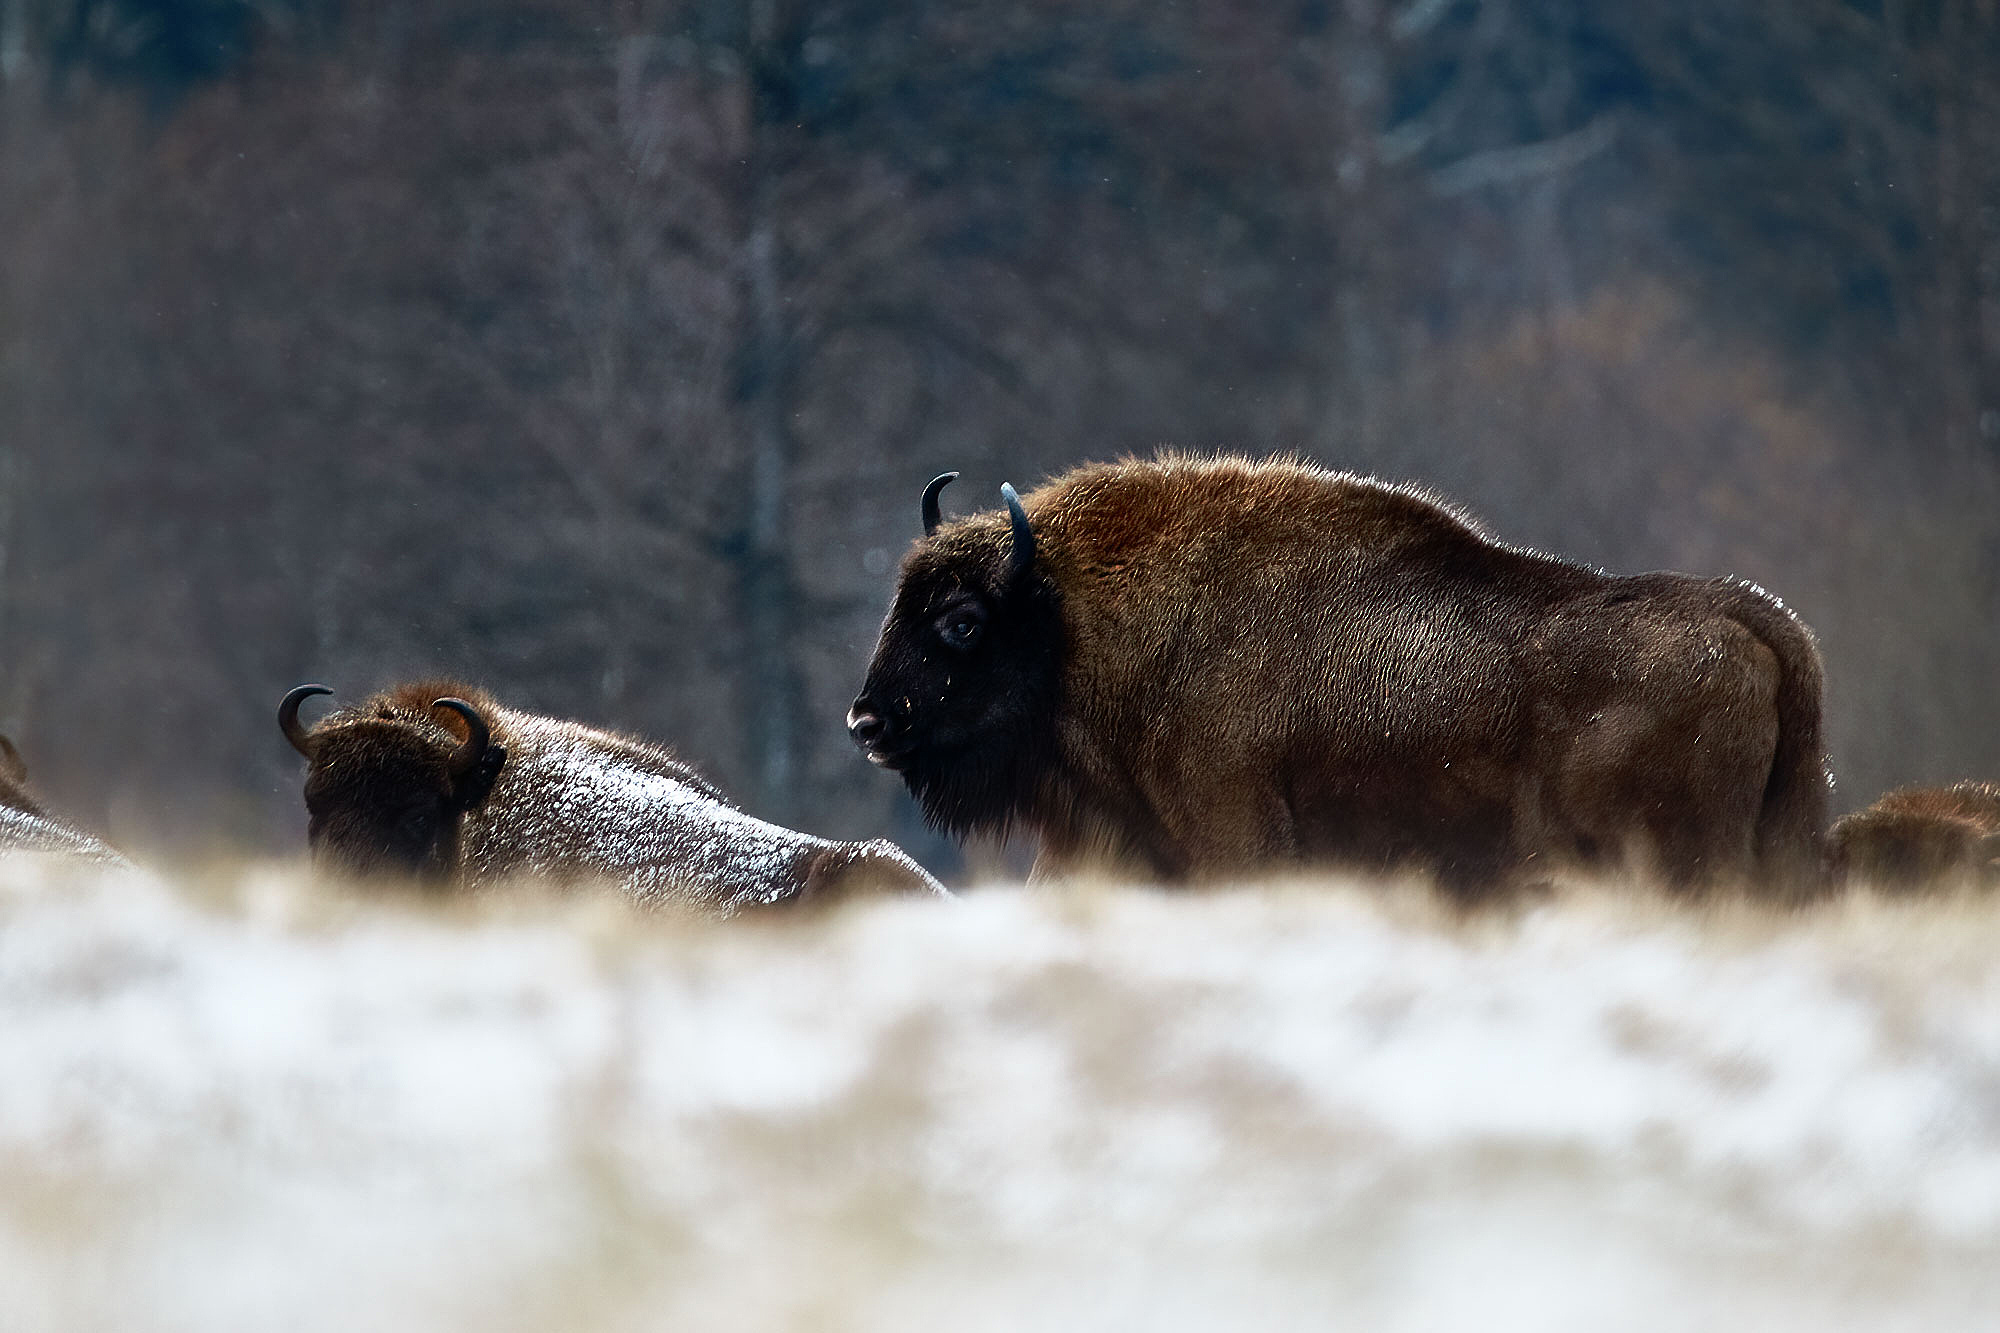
[{"x": 883, "y": 738}]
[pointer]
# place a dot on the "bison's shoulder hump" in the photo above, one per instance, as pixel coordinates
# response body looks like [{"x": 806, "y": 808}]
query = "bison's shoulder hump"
[
  {"x": 417, "y": 696},
  {"x": 1176, "y": 496}
]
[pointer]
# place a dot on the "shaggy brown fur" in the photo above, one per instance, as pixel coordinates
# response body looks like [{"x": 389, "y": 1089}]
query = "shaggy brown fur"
[
  {"x": 556, "y": 800},
  {"x": 1214, "y": 666},
  {"x": 1919, "y": 836}
]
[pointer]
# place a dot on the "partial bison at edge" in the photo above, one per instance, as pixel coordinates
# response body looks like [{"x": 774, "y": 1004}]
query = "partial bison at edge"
[
  {"x": 27, "y": 826},
  {"x": 1189, "y": 668},
  {"x": 436, "y": 781},
  {"x": 1921, "y": 836}
]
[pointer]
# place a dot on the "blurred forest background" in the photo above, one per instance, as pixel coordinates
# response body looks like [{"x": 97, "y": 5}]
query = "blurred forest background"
[{"x": 598, "y": 351}]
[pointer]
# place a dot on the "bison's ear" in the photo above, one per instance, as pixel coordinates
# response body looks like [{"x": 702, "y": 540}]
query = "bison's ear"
[
  {"x": 475, "y": 763},
  {"x": 1022, "y": 559},
  {"x": 470, "y": 791},
  {"x": 11, "y": 765}
]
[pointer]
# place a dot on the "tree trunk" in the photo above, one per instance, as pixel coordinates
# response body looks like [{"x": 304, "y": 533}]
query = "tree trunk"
[{"x": 768, "y": 591}]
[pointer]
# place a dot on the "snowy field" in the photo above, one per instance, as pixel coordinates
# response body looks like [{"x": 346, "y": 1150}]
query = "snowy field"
[{"x": 258, "y": 1104}]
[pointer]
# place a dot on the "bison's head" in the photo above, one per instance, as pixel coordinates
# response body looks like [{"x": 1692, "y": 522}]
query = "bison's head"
[
  {"x": 961, "y": 695},
  {"x": 390, "y": 781}
]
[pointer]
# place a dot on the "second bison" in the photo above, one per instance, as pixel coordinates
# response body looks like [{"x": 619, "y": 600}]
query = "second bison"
[
  {"x": 1918, "y": 836},
  {"x": 437, "y": 781},
  {"x": 1190, "y": 668}
]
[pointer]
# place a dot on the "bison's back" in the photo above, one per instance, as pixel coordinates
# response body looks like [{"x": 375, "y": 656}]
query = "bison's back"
[
  {"x": 1273, "y": 663},
  {"x": 576, "y": 804}
]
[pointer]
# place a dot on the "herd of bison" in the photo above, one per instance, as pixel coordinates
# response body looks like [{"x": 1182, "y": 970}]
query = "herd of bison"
[{"x": 1185, "y": 670}]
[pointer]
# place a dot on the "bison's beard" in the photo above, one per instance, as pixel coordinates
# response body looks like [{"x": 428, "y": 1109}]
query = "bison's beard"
[{"x": 989, "y": 787}]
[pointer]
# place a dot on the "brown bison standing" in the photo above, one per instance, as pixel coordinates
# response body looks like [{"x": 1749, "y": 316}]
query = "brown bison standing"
[
  {"x": 1190, "y": 668},
  {"x": 437, "y": 781},
  {"x": 1921, "y": 835}
]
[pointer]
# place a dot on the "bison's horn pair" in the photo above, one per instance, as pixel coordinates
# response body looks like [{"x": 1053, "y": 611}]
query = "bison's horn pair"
[
  {"x": 931, "y": 516},
  {"x": 288, "y": 716},
  {"x": 1024, "y": 536},
  {"x": 468, "y": 755}
]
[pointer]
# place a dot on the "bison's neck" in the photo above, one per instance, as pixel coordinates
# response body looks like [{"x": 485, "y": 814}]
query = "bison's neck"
[
  {"x": 1083, "y": 842},
  {"x": 1089, "y": 819}
]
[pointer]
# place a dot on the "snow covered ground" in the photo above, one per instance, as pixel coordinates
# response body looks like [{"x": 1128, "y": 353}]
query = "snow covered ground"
[{"x": 256, "y": 1104}]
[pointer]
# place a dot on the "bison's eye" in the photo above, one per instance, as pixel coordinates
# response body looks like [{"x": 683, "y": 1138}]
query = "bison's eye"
[{"x": 960, "y": 626}]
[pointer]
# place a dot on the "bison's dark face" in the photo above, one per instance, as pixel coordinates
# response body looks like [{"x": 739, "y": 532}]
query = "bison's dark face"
[
  {"x": 381, "y": 801},
  {"x": 385, "y": 796},
  {"x": 960, "y": 697}
]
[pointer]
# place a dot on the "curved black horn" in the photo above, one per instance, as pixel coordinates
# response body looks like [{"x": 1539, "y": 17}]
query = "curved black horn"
[
  {"x": 931, "y": 516},
  {"x": 288, "y": 716},
  {"x": 1024, "y": 536},
  {"x": 476, "y": 741}
]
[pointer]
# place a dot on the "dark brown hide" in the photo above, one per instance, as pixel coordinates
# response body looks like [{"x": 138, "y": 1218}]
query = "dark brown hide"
[
  {"x": 1919, "y": 836},
  {"x": 1219, "y": 666}
]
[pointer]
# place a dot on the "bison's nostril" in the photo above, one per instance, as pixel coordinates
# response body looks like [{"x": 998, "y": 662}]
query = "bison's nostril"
[{"x": 865, "y": 727}]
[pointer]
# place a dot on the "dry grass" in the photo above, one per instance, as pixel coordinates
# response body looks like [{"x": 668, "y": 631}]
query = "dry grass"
[{"x": 250, "y": 1101}]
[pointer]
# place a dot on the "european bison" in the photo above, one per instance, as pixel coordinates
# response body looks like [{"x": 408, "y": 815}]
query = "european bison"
[
  {"x": 438, "y": 782},
  {"x": 1189, "y": 668},
  {"x": 1917, "y": 836},
  {"x": 25, "y": 826}
]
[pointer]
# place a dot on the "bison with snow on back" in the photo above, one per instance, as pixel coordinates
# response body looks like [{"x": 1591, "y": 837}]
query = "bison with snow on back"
[
  {"x": 1189, "y": 669},
  {"x": 1918, "y": 836},
  {"x": 436, "y": 781},
  {"x": 27, "y": 826}
]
